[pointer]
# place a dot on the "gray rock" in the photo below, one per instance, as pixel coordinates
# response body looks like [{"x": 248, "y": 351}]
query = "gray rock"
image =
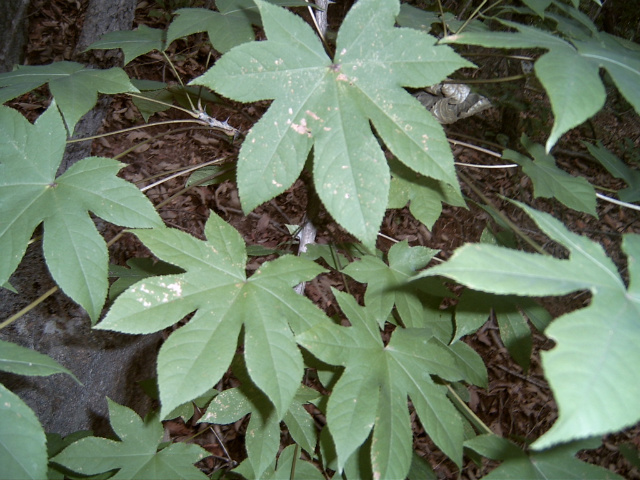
[{"x": 107, "y": 363}]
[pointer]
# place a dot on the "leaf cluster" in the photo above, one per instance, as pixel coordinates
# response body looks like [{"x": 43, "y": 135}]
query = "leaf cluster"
[{"x": 345, "y": 114}]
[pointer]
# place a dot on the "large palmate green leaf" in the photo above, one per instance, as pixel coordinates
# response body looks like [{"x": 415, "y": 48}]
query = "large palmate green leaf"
[
  {"x": 373, "y": 388},
  {"x": 551, "y": 182},
  {"x": 74, "y": 86},
  {"x": 329, "y": 104},
  {"x": 559, "y": 462},
  {"x": 232, "y": 25},
  {"x": 387, "y": 285},
  {"x": 133, "y": 43},
  {"x": 136, "y": 455},
  {"x": 23, "y": 451},
  {"x": 24, "y": 361},
  {"x": 196, "y": 356},
  {"x": 30, "y": 193},
  {"x": 569, "y": 71},
  {"x": 593, "y": 368}
]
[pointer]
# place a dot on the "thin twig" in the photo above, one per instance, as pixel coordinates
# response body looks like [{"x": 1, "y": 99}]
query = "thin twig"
[
  {"x": 476, "y": 165},
  {"x": 29, "y": 307},
  {"x": 130, "y": 129},
  {"x": 182, "y": 172},
  {"x": 471, "y": 17},
  {"x": 533, "y": 381},
  {"x": 475, "y": 147},
  {"x": 618, "y": 202}
]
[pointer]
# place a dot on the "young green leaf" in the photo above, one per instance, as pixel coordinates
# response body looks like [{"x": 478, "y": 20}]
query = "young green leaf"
[
  {"x": 538, "y": 6},
  {"x": 618, "y": 169},
  {"x": 424, "y": 195},
  {"x": 473, "y": 311},
  {"x": 282, "y": 468},
  {"x": 231, "y": 26},
  {"x": 133, "y": 43},
  {"x": 23, "y": 451},
  {"x": 551, "y": 182},
  {"x": 559, "y": 462},
  {"x": 372, "y": 391},
  {"x": 569, "y": 72},
  {"x": 328, "y": 104},
  {"x": 225, "y": 31},
  {"x": 136, "y": 455},
  {"x": 30, "y": 193},
  {"x": 74, "y": 86},
  {"x": 215, "y": 286},
  {"x": 263, "y": 431},
  {"x": 416, "y": 18},
  {"x": 470, "y": 363},
  {"x": 387, "y": 285},
  {"x": 24, "y": 361},
  {"x": 594, "y": 361}
]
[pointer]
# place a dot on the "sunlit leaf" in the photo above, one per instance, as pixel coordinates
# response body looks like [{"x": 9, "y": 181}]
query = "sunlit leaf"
[
  {"x": 387, "y": 285},
  {"x": 136, "y": 455},
  {"x": 372, "y": 391},
  {"x": 424, "y": 195},
  {"x": 25, "y": 361},
  {"x": 133, "y": 43},
  {"x": 569, "y": 71},
  {"x": 215, "y": 286},
  {"x": 31, "y": 194},
  {"x": 263, "y": 430},
  {"x": 551, "y": 182},
  {"x": 23, "y": 452},
  {"x": 559, "y": 462},
  {"x": 74, "y": 86},
  {"x": 328, "y": 104},
  {"x": 593, "y": 373}
]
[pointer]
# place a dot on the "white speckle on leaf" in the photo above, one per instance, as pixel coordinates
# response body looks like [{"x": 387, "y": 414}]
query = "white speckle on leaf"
[
  {"x": 343, "y": 51},
  {"x": 302, "y": 128},
  {"x": 290, "y": 111},
  {"x": 175, "y": 288},
  {"x": 342, "y": 78},
  {"x": 312, "y": 115},
  {"x": 279, "y": 185},
  {"x": 279, "y": 61}
]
